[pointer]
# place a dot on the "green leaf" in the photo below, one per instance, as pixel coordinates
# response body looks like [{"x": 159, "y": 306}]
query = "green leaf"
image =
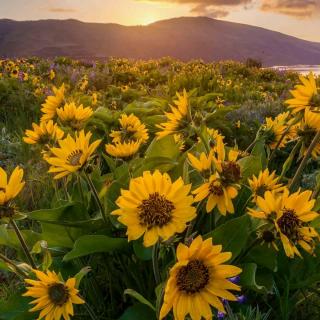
[
  {"x": 138, "y": 312},
  {"x": 90, "y": 244},
  {"x": 139, "y": 297},
  {"x": 248, "y": 278},
  {"x": 81, "y": 274},
  {"x": 250, "y": 166},
  {"x": 263, "y": 256},
  {"x": 141, "y": 251},
  {"x": 232, "y": 235},
  {"x": 260, "y": 151}
]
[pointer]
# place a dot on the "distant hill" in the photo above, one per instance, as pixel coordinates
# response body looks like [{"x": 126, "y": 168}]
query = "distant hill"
[{"x": 182, "y": 38}]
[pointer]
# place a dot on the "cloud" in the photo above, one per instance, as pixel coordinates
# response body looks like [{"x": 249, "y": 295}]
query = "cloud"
[
  {"x": 60, "y": 10},
  {"x": 296, "y": 8},
  {"x": 211, "y": 8}
]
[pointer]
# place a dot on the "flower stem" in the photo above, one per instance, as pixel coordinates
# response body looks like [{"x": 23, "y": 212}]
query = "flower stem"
[
  {"x": 90, "y": 312},
  {"x": 304, "y": 161},
  {"x": 23, "y": 244},
  {"x": 155, "y": 263},
  {"x": 96, "y": 197},
  {"x": 8, "y": 261}
]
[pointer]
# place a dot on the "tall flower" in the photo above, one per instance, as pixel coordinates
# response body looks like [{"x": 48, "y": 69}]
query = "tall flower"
[
  {"x": 52, "y": 103},
  {"x": 306, "y": 130},
  {"x": 290, "y": 215},
  {"x": 176, "y": 118},
  {"x": 199, "y": 280},
  {"x": 54, "y": 298},
  {"x": 74, "y": 116},
  {"x": 305, "y": 94},
  {"x": 155, "y": 207},
  {"x": 274, "y": 130},
  {"x": 131, "y": 129},
  {"x": 264, "y": 182},
  {"x": 217, "y": 194},
  {"x": 203, "y": 163},
  {"x": 43, "y": 133},
  {"x": 9, "y": 189},
  {"x": 72, "y": 154}
]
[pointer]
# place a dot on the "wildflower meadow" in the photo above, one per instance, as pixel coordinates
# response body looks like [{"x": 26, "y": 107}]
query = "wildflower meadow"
[{"x": 141, "y": 190}]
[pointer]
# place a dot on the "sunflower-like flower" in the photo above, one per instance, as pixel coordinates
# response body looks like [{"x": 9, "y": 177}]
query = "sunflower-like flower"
[
  {"x": 290, "y": 215},
  {"x": 123, "y": 150},
  {"x": 306, "y": 130},
  {"x": 54, "y": 298},
  {"x": 72, "y": 154},
  {"x": 304, "y": 95},
  {"x": 199, "y": 280},
  {"x": 264, "y": 182},
  {"x": 226, "y": 163},
  {"x": 52, "y": 103},
  {"x": 176, "y": 118},
  {"x": 274, "y": 130},
  {"x": 217, "y": 194},
  {"x": 74, "y": 116},
  {"x": 131, "y": 130},
  {"x": 9, "y": 189},
  {"x": 155, "y": 207},
  {"x": 43, "y": 134},
  {"x": 204, "y": 163}
]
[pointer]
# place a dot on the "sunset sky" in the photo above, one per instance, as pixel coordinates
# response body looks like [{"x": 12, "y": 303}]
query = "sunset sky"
[{"x": 300, "y": 18}]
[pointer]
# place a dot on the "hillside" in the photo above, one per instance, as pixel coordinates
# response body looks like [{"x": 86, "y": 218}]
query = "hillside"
[{"x": 182, "y": 38}]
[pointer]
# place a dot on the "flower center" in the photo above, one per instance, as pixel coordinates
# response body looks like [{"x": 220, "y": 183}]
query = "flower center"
[
  {"x": 74, "y": 157},
  {"x": 289, "y": 224},
  {"x": 231, "y": 171},
  {"x": 260, "y": 191},
  {"x": 216, "y": 188},
  {"x": 58, "y": 294},
  {"x": 315, "y": 100},
  {"x": 268, "y": 236},
  {"x": 155, "y": 211},
  {"x": 193, "y": 277}
]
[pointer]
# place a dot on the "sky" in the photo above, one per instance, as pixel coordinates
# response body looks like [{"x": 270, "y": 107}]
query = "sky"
[{"x": 300, "y": 18}]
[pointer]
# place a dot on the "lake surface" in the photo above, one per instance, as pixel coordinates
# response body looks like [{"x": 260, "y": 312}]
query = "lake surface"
[{"x": 303, "y": 69}]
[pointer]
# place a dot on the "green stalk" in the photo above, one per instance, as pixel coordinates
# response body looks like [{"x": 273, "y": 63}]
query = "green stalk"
[
  {"x": 286, "y": 166},
  {"x": 23, "y": 244},
  {"x": 96, "y": 197},
  {"x": 8, "y": 261},
  {"x": 304, "y": 161},
  {"x": 155, "y": 263}
]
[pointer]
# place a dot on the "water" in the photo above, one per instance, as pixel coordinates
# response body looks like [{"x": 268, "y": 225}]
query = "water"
[{"x": 303, "y": 69}]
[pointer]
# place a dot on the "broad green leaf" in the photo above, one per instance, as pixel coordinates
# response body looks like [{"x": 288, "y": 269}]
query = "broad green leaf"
[
  {"x": 91, "y": 244},
  {"x": 138, "y": 312},
  {"x": 141, "y": 251},
  {"x": 232, "y": 235},
  {"x": 248, "y": 277},
  {"x": 250, "y": 166},
  {"x": 139, "y": 297},
  {"x": 263, "y": 256}
]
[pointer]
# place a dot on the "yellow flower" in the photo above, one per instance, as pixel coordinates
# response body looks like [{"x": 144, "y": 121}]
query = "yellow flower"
[
  {"x": 72, "y": 155},
  {"x": 155, "y": 207},
  {"x": 131, "y": 130},
  {"x": 83, "y": 84},
  {"x": 52, "y": 74},
  {"x": 44, "y": 133},
  {"x": 10, "y": 189},
  {"x": 74, "y": 116},
  {"x": 275, "y": 129},
  {"x": 217, "y": 195},
  {"x": 54, "y": 298},
  {"x": 203, "y": 163},
  {"x": 214, "y": 137},
  {"x": 52, "y": 103},
  {"x": 123, "y": 150},
  {"x": 306, "y": 130},
  {"x": 264, "y": 182},
  {"x": 176, "y": 118},
  {"x": 290, "y": 214},
  {"x": 199, "y": 280},
  {"x": 94, "y": 99},
  {"x": 227, "y": 166},
  {"x": 305, "y": 94},
  {"x": 15, "y": 73}
]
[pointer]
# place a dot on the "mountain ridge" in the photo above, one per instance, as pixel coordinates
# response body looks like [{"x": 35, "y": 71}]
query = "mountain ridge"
[{"x": 184, "y": 38}]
